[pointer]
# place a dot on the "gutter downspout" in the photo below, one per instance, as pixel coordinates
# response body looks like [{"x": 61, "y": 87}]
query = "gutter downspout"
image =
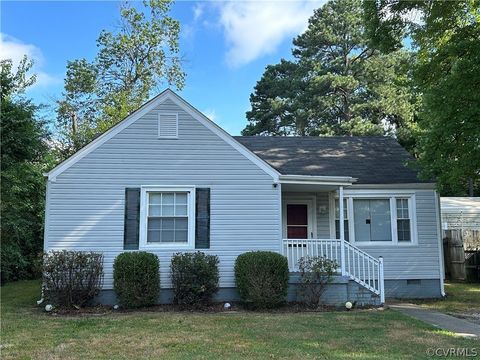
[{"x": 440, "y": 244}]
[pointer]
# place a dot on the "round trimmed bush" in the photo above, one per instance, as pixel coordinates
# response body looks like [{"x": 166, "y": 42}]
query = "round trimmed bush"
[
  {"x": 262, "y": 278},
  {"x": 136, "y": 279},
  {"x": 194, "y": 278}
]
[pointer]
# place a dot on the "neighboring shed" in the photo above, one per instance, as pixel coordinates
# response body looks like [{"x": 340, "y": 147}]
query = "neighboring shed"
[
  {"x": 462, "y": 213},
  {"x": 461, "y": 225}
]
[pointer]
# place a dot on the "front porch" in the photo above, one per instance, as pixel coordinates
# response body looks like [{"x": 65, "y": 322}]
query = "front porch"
[{"x": 313, "y": 224}]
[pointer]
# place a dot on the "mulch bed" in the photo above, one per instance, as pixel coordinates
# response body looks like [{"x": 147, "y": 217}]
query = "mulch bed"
[{"x": 292, "y": 307}]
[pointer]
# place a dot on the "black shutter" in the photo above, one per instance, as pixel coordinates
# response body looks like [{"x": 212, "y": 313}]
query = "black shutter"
[
  {"x": 202, "y": 218},
  {"x": 132, "y": 218}
]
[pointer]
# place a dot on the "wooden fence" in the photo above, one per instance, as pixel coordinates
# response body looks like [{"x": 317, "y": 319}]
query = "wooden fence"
[{"x": 462, "y": 254}]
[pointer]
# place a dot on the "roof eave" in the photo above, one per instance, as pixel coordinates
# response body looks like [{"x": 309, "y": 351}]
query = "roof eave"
[
  {"x": 393, "y": 185},
  {"x": 317, "y": 180}
]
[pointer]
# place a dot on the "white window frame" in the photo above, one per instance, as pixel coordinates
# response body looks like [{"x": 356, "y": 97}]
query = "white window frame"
[
  {"x": 162, "y": 113},
  {"x": 409, "y": 199},
  {"x": 190, "y": 244},
  {"x": 392, "y": 197}
]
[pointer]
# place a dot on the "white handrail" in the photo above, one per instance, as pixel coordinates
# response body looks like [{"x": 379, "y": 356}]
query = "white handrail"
[
  {"x": 365, "y": 270},
  {"x": 353, "y": 262}
]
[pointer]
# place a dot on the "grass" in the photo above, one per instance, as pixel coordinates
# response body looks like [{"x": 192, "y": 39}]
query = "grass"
[
  {"x": 28, "y": 333},
  {"x": 462, "y": 298}
]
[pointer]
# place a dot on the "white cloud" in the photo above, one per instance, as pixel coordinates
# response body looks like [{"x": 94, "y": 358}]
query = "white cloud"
[
  {"x": 253, "y": 29},
  {"x": 210, "y": 113},
  {"x": 12, "y": 48},
  {"x": 44, "y": 79},
  {"x": 198, "y": 10}
]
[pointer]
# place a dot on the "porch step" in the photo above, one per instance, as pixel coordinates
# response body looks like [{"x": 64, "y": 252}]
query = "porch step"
[{"x": 354, "y": 263}]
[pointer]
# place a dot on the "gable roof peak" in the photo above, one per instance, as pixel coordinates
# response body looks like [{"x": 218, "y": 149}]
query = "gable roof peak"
[{"x": 145, "y": 108}]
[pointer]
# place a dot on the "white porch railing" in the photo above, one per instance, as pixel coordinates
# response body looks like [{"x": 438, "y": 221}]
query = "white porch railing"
[
  {"x": 352, "y": 262},
  {"x": 295, "y": 249}
]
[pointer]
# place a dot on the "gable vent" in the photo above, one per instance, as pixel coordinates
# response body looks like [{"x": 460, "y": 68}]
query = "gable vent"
[{"x": 168, "y": 126}]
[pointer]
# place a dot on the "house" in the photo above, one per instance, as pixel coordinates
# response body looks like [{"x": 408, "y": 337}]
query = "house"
[
  {"x": 460, "y": 213},
  {"x": 167, "y": 179}
]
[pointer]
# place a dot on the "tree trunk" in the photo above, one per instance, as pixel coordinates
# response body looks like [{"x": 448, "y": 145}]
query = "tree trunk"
[{"x": 470, "y": 187}]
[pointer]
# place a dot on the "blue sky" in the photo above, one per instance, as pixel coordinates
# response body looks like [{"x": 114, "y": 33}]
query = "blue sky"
[{"x": 226, "y": 45}]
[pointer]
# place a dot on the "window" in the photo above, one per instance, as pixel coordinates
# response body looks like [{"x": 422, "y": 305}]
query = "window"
[
  {"x": 167, "y": 217},
  {"x": 372, "y": 220},
  {"x": 403, "y": 221},
  {"x": 376, "y": 218},
  {"x": 345, "y": 220}
]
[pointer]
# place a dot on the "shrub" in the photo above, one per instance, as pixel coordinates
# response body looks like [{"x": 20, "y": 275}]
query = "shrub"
[
  {"x": 262, "y": 278},
  {"x": 71, "y": 278},
  {"x": 315, "y": 273},
  {"x": 194, "y": 278},
  {"x": 136, "y": 279}
]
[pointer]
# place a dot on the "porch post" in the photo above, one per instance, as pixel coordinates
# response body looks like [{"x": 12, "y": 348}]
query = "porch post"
[
  {"x": 342, "y": 230},
  {"x": 381, "y": 280}
]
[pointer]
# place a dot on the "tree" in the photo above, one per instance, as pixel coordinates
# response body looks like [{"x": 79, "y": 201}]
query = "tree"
[
  {"x": 274, "y": 103},
  {"x": 23, "y": 159},
  {"x": 336, "y": 85},
  {"x": 447, "y": 75},
  {"x": 78, "y": 111},
  {"x": 130, "y": 64}
]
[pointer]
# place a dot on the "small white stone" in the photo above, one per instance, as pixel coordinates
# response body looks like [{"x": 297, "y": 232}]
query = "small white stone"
[
  {"x": 48, "y": 308},
  {"x": 227, "y": 306},
  {"x": 39, "y": 301},
  {"x": 116, "y": 307},
  {"x": 348, "y": 305}
]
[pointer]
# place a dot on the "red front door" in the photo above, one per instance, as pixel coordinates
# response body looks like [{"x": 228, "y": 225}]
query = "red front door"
[{"x": 297, "y": 221}]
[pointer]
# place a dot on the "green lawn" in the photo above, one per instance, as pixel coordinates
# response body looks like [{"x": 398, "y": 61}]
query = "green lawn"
[
  {"x": 27, "y": 333},
  {"x": 461, "y": 298}
]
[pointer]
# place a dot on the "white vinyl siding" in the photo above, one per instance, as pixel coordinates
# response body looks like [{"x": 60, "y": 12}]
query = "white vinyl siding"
[
  {"x": 418, "y": 259},
  {"x": 86, "y": 203}
]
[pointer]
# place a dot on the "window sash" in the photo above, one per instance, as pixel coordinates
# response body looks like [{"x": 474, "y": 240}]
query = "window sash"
[
  {"x": 371, "y": 222},
  {"x": 403, "y": 220},
  {"x": 403, "y": 230},
  {"x": 346, "y": 235},
  {"x": 345, "y": 209},
  {"x": 167, "y": 217}
]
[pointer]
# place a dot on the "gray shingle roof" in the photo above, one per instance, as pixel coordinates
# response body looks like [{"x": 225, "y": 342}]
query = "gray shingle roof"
[{"x": 373, "y": 160}]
